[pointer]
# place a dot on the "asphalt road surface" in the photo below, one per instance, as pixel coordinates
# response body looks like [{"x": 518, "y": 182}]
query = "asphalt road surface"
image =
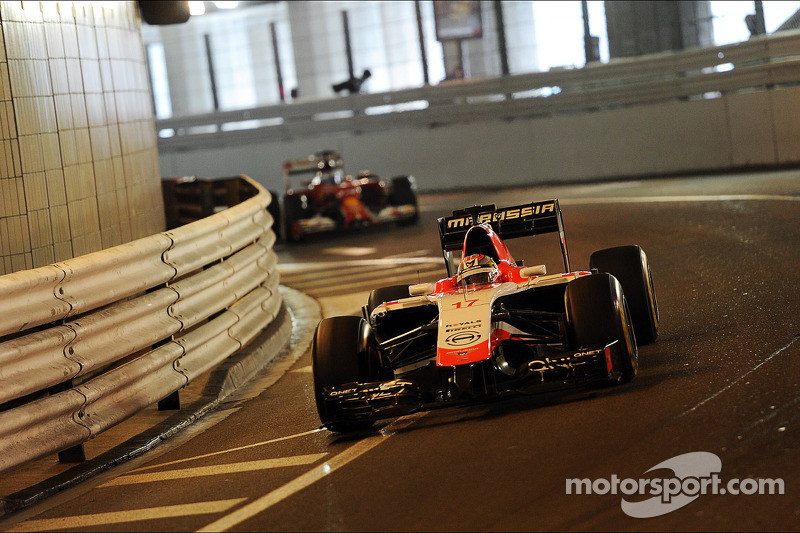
[{"x": 717, "y": 393}]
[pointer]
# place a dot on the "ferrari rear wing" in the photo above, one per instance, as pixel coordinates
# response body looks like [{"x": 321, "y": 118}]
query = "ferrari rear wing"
[
  {"x": 522, "y": 220},
  {"x": 312, "y": 163}
]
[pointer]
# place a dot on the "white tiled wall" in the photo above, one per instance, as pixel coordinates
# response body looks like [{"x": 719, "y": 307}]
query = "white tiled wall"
[{"x": 78, "y": 156}]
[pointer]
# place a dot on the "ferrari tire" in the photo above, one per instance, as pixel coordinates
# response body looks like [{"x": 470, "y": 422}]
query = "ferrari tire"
[
  {"x": 598, "y": 314},
  {"x": 336, "y": 359},
  {"x": 292, "y": 211},
  {"x": 629, "y": 265},
  {"x": 404, "y": 192},
  {"x": 274, "y": 209}
]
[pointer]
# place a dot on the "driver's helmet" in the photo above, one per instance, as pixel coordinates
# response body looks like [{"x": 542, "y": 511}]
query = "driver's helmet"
[{"x": 477, "y": 269}]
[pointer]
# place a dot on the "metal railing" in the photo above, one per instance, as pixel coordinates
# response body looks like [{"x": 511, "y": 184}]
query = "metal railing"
[
  {"x": 759, "y": 63},
  {"x": 89, "y": 342}
]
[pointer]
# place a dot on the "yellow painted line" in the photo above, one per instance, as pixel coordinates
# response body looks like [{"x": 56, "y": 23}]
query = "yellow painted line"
[
  {"x": 214, "y": 470},
  {"x": 230, "y": 450},
  {"x": 281, "y": 493},
  {"x": 134, "y": 515},
  {"x": 352, "y": 251},
  {"x": 288, "y": 268}
]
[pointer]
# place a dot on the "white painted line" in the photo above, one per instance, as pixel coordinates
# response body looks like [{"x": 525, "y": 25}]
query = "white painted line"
[
  {"x": 214, "y": 470},
  {"x": 303, "y": 370},
  {"x": 281, "y": 493},
  {"x": 118, "y": 517},
  {"x": 689, "y": 198},
  {"x": 238, "y": 448},
  {"x": 740, "y": 378}
]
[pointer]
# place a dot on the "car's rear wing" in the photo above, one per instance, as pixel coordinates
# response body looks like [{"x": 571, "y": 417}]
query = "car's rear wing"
[
  {"x": 522, "y": 220},
  {"x": 313, "y": 163}
]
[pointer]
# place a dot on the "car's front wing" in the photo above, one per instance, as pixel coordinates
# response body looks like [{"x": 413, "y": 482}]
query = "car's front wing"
[{"x": 469, "y": 383}]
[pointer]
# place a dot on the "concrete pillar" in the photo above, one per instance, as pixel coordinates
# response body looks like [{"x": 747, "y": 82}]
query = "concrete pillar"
[{"x": 646, "y": 27}]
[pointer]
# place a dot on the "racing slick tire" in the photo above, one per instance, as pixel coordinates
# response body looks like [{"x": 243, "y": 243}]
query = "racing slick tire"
[
  {"x": 292, "y": 211},
  {"x": 597, "y": 314},
  {"x": 337, "y": 358},
  {"x": 629, "y": 265},
  {"x": 386, "y": 294},
  {"x": 404, "y": 192},
  {"x": 274, "y": 209}
]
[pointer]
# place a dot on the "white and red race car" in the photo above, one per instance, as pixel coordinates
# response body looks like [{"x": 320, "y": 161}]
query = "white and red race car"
[{"x": 492, "y": 327}]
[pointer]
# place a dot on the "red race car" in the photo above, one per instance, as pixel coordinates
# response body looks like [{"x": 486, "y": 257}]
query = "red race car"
[
  {"x": 492, "y": 327},
  {"x": 330, "y": 200}
]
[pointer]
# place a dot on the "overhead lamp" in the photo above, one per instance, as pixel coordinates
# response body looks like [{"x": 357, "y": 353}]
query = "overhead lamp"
[{"x": 197, "y": 8}]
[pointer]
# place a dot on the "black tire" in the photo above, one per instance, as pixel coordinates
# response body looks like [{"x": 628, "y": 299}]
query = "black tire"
[
  {"x": 274, "y": 209},
  {"x": 386, "y": 294},
  {"x": 373, "y": 197},
  {"x": 337, "y": 357},
  {"x": 292, "y": 211},
  {"x": 597, "y": 313},
  {"x": 404, "y": 192},
  {"x": 629, "y": 265}
]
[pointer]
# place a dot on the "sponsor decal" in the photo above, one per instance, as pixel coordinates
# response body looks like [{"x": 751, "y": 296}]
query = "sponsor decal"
[
  {"x": 462, "y": 338},
  {"x": 461, "y": 326},
  {"x": 511, "y": 213}
]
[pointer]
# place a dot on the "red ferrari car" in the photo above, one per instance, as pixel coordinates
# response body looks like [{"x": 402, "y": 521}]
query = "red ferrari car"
[{"x": 330, "y": 200}]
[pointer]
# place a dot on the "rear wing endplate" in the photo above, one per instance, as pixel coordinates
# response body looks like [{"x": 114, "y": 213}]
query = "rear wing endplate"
[{"x": 522, "y": 220}]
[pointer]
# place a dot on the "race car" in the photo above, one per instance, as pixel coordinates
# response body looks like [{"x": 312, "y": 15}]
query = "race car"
[
  {"x": 330, "y": 200},
  {"x": 492, "y": 327}
]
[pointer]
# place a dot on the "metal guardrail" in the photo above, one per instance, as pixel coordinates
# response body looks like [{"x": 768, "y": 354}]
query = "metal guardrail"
[
  {"x": 91, "y": 341},
  {"x": 760, "y": 62}
]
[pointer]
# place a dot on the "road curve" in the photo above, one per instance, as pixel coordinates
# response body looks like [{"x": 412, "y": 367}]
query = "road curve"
[{"x": 718, "y": 393}]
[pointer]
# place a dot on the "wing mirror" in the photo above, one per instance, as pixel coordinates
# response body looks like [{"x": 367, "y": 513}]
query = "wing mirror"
[
  {"x": 421, "y": 289},
  {"x": 529, "y": 272}
]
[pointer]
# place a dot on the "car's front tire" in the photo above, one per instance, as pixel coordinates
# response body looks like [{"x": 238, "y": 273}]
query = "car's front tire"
[
  {"x": 292, "y": 212},
  {"x": 337, "y": 358},
  {"x": 597, "y": 314},
  {"x": 629, "y": 265}
]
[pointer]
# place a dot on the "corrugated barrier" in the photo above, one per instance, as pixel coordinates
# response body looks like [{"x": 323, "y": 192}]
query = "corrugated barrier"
[{"x": 89, "y": 342}]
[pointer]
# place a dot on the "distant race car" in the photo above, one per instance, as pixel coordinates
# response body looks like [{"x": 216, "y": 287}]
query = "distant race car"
[
  {"x": 492, "y": 327},
  {"x": 330, "y": 200}
]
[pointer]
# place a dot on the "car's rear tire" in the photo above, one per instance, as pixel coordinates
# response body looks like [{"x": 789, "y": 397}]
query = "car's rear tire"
[
  {"x": 629, "y": 265},
  {"x": 337, "y": 358},
  {"x": 404, "y": 192},
  {"x": 292, "y": 212},
  {"x": 274, "y": 209},
  {"x": 386, "y": 294},
  {"x": 597, "y": 314}
]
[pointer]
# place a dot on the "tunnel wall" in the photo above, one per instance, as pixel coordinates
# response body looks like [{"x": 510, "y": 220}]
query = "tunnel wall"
[
  {"x": 736, "y": 131},
  {"x": 79, "y": 168}
]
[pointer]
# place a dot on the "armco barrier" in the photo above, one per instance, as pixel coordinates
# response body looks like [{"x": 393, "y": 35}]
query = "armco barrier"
[{"x": 91, "y": 341}]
